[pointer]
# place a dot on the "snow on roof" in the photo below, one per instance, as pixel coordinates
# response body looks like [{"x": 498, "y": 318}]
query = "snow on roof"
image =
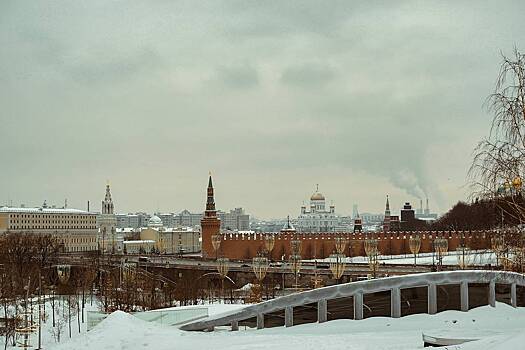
[
  {"x": 41, "y": 210},
  {"x": 171, "y": 229},
  {"x": 140, "y": 241},
  {"x": 125, "y": 229}
]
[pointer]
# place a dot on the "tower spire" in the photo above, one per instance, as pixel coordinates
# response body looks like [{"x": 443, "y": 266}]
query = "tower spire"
[
  {"x": 210, "y": 202},
  {"x": 107, "y": 203},
  {"x": 386, "y": 221}
]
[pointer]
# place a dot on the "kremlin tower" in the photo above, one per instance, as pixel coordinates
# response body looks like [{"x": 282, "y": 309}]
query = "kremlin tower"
[
  {"x": 386, "y": 222},
  {"x": 210, "y": 223}
]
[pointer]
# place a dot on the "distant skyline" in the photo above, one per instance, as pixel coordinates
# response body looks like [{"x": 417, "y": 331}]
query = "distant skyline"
[{"x": 363, "y": 98}]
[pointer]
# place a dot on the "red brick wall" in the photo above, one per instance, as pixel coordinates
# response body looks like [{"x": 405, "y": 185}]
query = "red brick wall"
[{"x": 321, "y": 245}]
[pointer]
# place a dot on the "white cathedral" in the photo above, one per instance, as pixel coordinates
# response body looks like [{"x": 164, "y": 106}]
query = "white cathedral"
[{"x": 318, "y": 219}]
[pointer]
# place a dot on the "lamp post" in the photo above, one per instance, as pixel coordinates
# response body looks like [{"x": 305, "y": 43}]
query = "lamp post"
[
  {"x": 337, "y": 266},
  {"x": 25, "y": 327},
  {"x": 269, "y": 243},
  {"x": 441, "y": 248},
  {"x": 260, "y": 267},
  {"x": 216, "y": 244},
  {"x": 295, "y": 266},
  {"x": 295, "y": 246},
  {"x": 340, "y": 244},
  {"x": 295, "y": 258},
  {"x": 372, "y": 252},
  {"x": 223, "y": 266},
  {"x": 498, "y": 246},
  {"x": 464, "y": 256},
  {"x": 414, "y": 242}
]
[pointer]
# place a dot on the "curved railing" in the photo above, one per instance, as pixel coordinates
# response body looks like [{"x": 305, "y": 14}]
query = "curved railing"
[{"x": 357, "y": 290}]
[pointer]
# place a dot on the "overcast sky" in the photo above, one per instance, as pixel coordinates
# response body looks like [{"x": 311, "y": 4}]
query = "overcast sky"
[{"x": 364, "y": 98}]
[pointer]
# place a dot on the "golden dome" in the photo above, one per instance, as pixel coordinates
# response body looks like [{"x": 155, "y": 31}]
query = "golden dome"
[
  {"x": 517, "y": 182},
  {"x": 317, "y": 196}
]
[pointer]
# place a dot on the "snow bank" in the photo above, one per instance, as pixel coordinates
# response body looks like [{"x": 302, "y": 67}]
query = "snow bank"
[{"x": 125, "y": 332}]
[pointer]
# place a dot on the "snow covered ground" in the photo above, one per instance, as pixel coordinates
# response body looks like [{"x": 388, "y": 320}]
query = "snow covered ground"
[
  {"x": 475, "y": 258},
  {"x": 502, "y": 327}
]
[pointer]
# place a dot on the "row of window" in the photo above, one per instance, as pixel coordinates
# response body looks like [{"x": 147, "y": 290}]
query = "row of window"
[
  {"x": 84, "y": 240},
  {"x": 47, "y": 216},
  {"x": 82, "y": 249},
  {"x": 52, "y": 227}
]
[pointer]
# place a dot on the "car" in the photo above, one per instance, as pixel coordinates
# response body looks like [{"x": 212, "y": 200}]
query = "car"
[{"x": 143, "y": 259}]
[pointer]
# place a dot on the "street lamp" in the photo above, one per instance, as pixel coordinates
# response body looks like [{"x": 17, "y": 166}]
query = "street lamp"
[
  {"x": 340, "y": 244},
  {"x": 498, "y": 246},
  {"x": 223, "y": 266},
  {"x": 25, "y": 326},
  {"x": 372, "y": 252},
  {"x": 295, "y": 245},
  {"x": 464, "y": 257},
  {"x": 216, "y": 243},
  {"x": 414, "y": 242},
  {"x": 260, "y": 267},
  {"x": 337, "y": 265},
  {"x": 441, "y": 248},
  {"x": 269, "y": 243},
  {"x": 295, "y": 266}
]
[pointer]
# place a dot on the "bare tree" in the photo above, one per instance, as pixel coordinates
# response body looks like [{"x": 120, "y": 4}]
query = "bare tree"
[{"x": 499, "y": 159}]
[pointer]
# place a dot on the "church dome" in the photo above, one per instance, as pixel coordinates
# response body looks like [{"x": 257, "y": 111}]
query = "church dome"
[
  {"x": 317, "y": 196},
  {"x": 155, "y": 221}
]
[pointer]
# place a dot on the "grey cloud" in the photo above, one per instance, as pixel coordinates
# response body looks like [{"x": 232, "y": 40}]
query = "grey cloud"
[
  {"x": 366, "y": 99},
  {"x": 310, "y": 75},
  {"x": 238, "y": 77},
  {"x": 107, "y": 66}
]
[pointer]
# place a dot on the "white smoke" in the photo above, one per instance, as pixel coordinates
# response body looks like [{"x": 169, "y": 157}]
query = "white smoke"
[{"x": 408, "y": 181}]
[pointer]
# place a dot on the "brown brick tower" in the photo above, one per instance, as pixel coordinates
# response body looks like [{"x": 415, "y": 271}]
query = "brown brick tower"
[{"x": 210, "y": 223}]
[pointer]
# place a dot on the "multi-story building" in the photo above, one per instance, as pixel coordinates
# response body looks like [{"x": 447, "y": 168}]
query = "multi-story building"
[
  {"x": 372, "y": 219},
  {"x": 136, "y": 220},
  {"x": 76, "y": 230},
  {"x": 172, "y": 240},
  {"x": 235, "y": 220},
  {"x": 185, "y": 218},
  {"x": 318, "y": 219}
]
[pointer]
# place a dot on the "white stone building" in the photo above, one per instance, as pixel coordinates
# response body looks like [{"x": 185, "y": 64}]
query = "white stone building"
[
  {"x": 76, "y": 230},
  {"x": 318, "y": 218}
]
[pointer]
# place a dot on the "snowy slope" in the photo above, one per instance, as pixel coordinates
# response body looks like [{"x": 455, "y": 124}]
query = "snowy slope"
[{"x": 123, "y": 331}]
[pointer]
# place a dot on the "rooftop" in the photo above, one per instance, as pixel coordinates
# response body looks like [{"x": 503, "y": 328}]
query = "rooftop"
[{"x": 41, "y": 210}]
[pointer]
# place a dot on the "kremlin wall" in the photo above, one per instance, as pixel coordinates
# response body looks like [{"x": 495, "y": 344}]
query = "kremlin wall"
[{"x": 245, "y": 246}]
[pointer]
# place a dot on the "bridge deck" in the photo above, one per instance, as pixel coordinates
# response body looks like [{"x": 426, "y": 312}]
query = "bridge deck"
[{"x": 391, "y": 296}]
